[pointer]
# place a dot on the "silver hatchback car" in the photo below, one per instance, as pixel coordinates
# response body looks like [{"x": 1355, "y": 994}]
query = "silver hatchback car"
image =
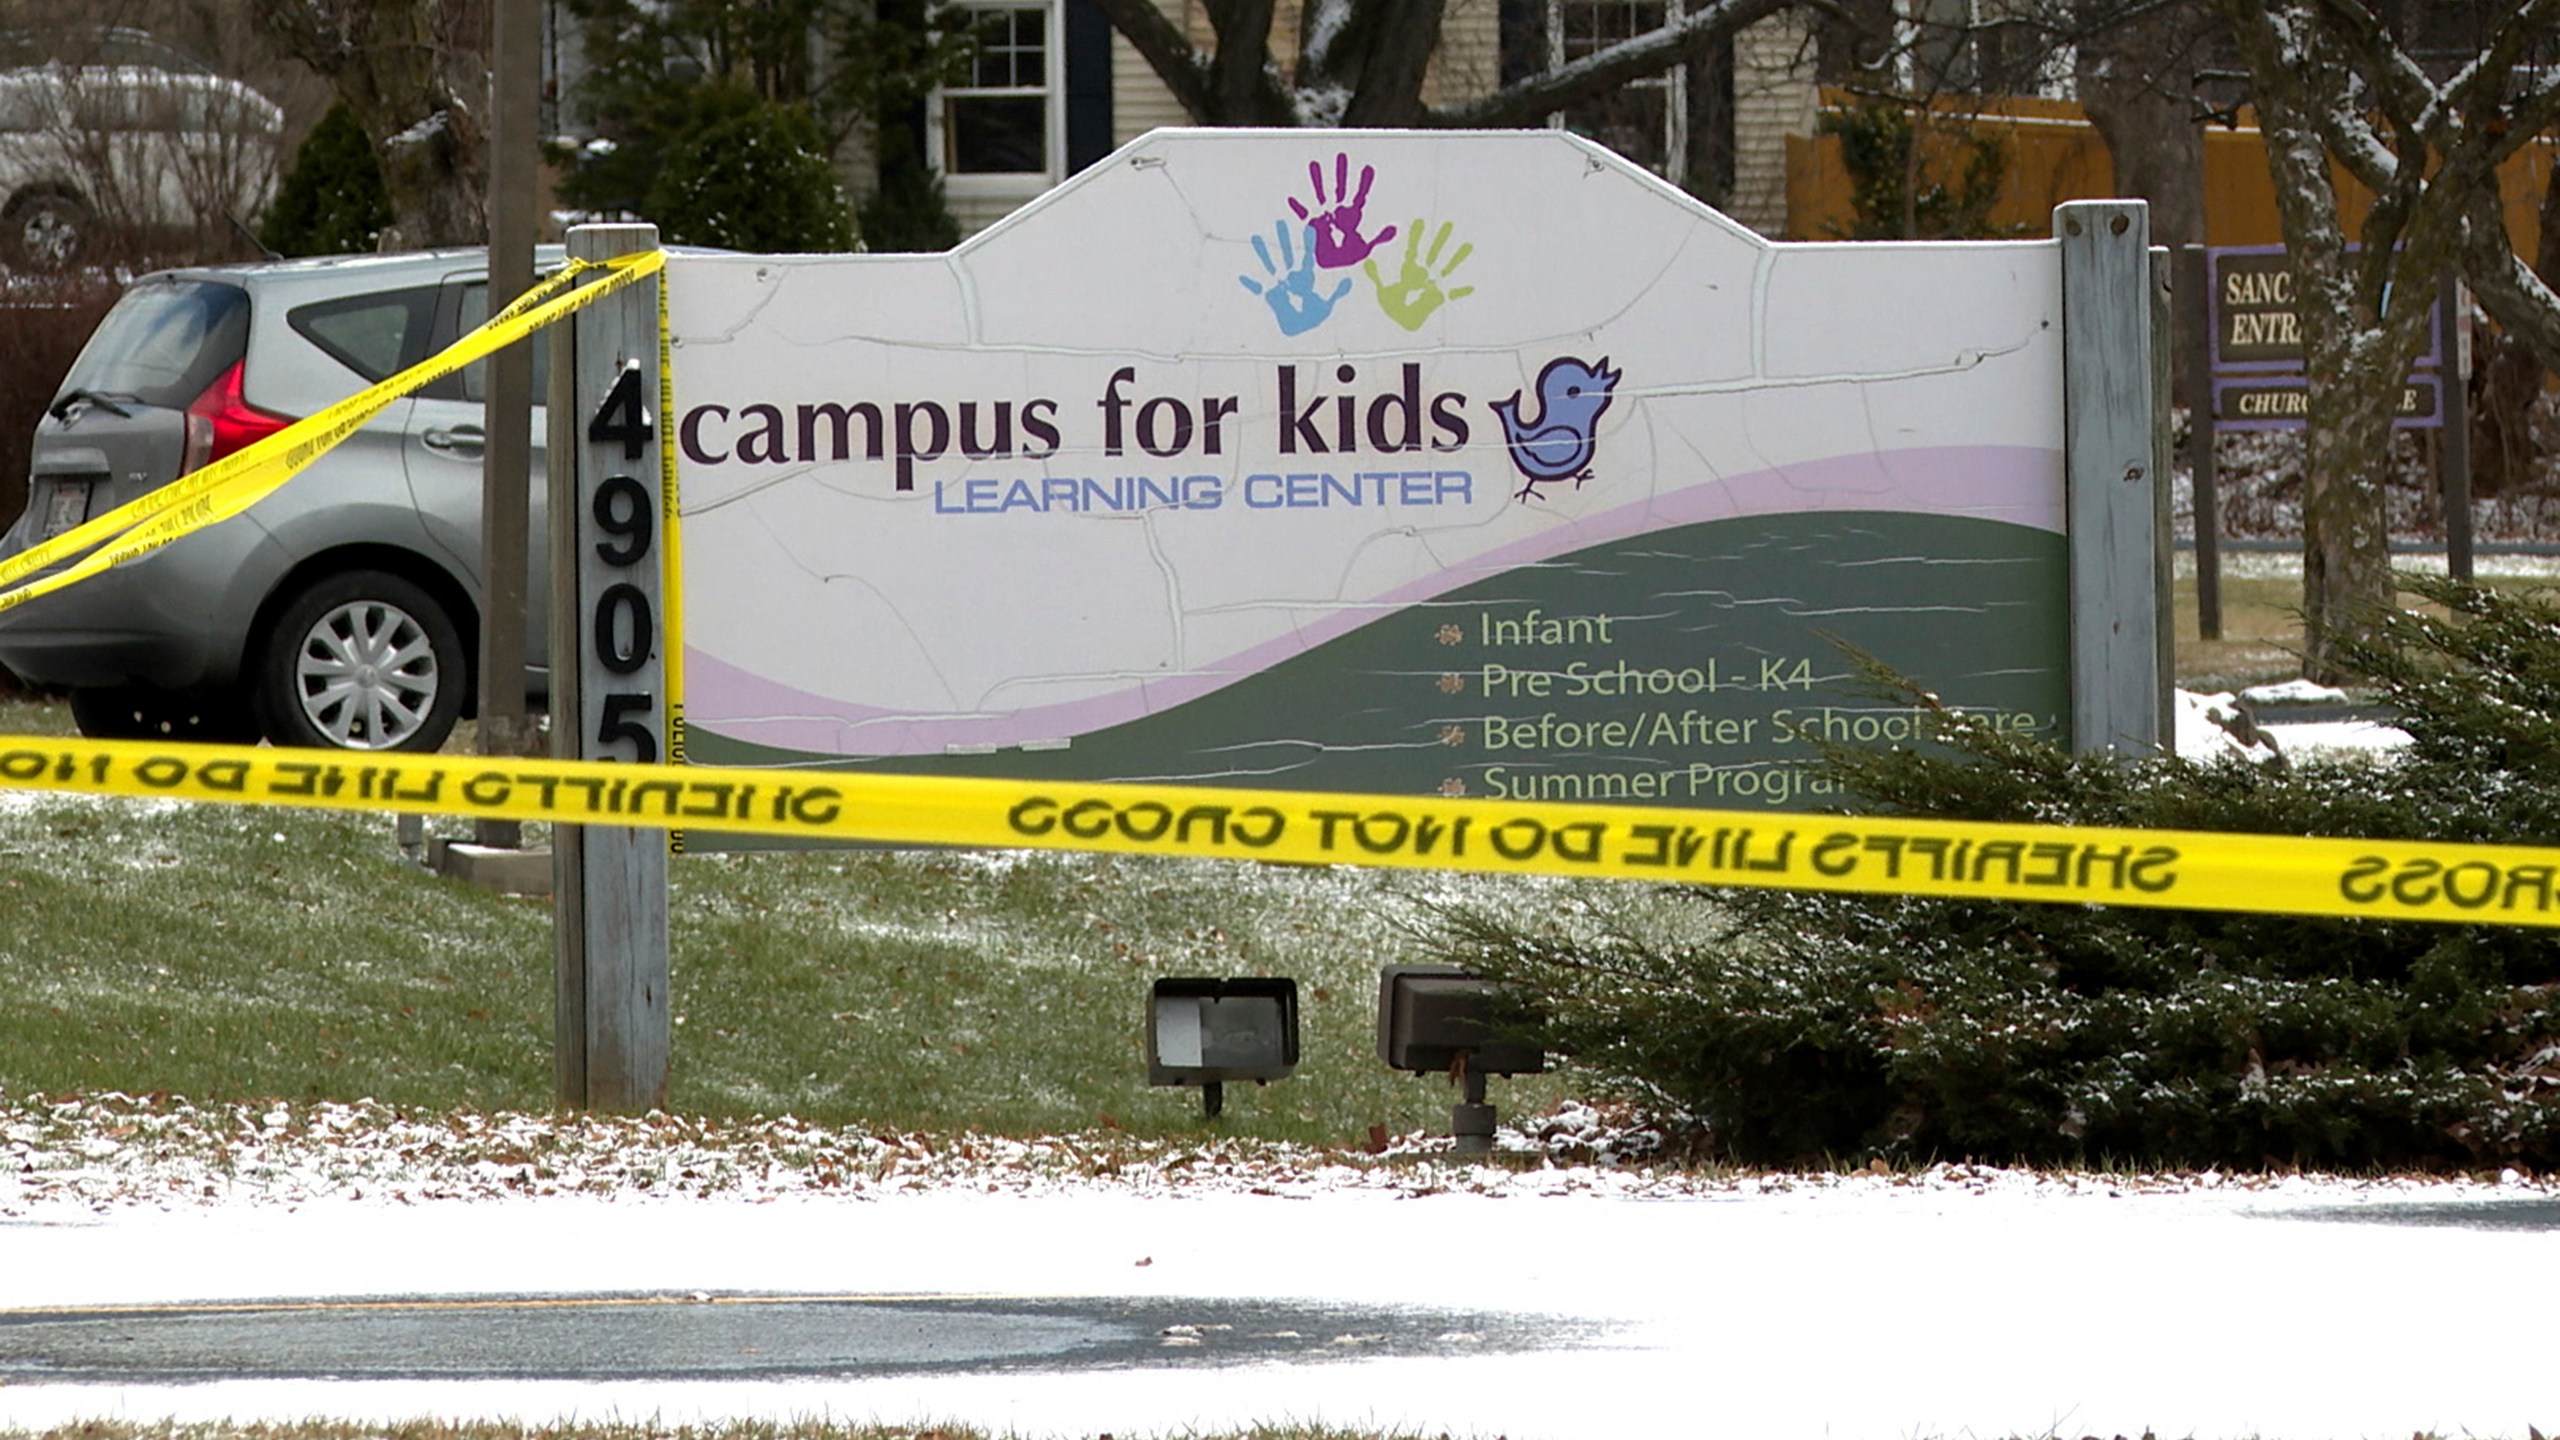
[{"x": 338, "y": 612}]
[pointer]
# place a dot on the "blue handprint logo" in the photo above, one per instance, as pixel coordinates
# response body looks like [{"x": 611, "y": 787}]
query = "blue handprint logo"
[{"x": 1288, "y": 285}]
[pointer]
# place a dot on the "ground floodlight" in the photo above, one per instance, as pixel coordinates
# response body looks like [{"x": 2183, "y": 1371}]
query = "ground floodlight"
[
  {"x": 1441, "y": 1020},
  {"x": 1207, "y": 1032}
]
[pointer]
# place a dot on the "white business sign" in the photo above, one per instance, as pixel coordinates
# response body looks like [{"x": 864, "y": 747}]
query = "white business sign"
[{"x": 1475, "y": 463}]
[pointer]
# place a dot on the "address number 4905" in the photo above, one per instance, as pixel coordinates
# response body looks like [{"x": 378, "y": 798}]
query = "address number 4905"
[{"x": 623, "y": 627}]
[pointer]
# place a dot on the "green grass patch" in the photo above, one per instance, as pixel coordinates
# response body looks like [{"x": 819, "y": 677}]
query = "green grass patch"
[
  {"x": 2261, "y": 639},
  {"x": 230, "y": 953}
]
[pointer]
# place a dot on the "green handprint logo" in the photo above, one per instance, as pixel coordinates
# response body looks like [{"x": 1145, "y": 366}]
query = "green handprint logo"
[{"x": 1420, "y": 287}]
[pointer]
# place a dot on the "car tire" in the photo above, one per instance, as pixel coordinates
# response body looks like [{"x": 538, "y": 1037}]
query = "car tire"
[
  {"x": 45, "y": 231},
  {"x": 135, "y": 712},
  {"x": 363, "y": 660}
]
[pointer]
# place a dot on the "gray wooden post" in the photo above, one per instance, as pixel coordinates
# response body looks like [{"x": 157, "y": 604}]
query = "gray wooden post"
[
  {"x": 2195, "y": 308},
  {"x": 608, "y": 699},
  {"x": 2454, "y": 447},
  {"x": 2117, "y": 688},
  {"x": 2164, "y": 571},
  {"x": 507, "y": 414}
]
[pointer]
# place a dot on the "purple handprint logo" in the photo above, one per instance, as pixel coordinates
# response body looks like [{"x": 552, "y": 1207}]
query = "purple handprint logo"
[
  {"x": 1288, "y": 285},
  {"x": 1336, "y": 222}
]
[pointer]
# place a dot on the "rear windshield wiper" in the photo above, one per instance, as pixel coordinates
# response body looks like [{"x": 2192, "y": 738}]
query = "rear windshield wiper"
[{"x": 113, "y": 404}]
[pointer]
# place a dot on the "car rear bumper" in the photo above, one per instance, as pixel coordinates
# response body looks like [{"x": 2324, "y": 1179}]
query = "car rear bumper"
[{"x": 174, "y": 619}]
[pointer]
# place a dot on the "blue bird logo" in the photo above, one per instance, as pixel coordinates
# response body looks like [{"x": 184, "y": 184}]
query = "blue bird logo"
[{"x": 1558, "y": 444}]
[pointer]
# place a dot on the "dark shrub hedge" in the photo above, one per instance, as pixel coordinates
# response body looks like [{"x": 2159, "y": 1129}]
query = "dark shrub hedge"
[
  {"x": 752, "y": 175},
  {"x": 44, "y": 320},
  {"x": 1805, "y": 1028}
]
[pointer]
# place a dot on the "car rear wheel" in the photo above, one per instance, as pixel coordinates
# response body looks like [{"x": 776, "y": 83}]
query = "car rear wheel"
[
  {"x": 364, "y": 660},
  {"x": 45, "y": 231},
  {"x": 134, "y": 712}
]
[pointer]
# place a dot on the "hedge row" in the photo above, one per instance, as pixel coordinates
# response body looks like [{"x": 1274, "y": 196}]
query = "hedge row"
[{"x": 1809, "y": 1028}]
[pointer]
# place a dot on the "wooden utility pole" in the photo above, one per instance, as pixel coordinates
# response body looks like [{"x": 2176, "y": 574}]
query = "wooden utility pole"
[{"x": 506, "y": 727}]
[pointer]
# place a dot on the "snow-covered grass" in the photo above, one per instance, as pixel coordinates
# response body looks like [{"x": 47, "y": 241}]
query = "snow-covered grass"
[
  {"x": 2258, "y": 487},
  {"x": 105, "y": 1152},
  {"x": 1941, "y": 1301}
]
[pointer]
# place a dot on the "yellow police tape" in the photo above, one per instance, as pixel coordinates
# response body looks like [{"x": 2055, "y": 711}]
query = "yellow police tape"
[
  {"x": 2170, "y": 869},
  {"x": 232, "y": 484}
]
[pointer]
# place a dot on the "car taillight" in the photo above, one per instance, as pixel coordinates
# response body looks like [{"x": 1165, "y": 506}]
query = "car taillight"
[{"x": 219, "y": 422}]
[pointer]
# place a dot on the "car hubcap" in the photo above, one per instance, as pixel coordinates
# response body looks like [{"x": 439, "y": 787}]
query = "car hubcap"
[
  {"x": 50, "y": 238},
  {"x": 367, "y": 675}
]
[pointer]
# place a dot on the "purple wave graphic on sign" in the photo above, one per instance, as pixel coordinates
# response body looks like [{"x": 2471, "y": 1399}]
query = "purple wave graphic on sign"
[{"x": 1937, "y": 481}]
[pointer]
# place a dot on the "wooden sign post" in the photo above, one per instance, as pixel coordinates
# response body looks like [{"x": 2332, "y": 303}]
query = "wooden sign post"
[{"x": 609, "y": 692}]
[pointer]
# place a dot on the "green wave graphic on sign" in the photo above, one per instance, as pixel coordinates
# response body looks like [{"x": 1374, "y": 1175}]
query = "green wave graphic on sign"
[{"x": 1688, "y": 667}]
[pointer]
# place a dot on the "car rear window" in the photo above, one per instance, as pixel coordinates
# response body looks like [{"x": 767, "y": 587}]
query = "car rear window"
[
  {"x": 164, "y": 342},
  {"x": 376, "y": 335}
]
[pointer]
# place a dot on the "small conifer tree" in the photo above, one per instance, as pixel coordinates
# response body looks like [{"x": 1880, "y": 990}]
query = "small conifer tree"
[
  {"x": 332, "y": 201},
  {"x": 908, "y": 212}
]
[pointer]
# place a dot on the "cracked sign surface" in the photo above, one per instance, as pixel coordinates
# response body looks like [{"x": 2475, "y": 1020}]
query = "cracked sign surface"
[{"x": 1464, "y": 464}]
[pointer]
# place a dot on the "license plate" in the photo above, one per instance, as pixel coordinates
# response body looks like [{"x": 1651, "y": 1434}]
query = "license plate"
[{"x": 68, "y": 506}]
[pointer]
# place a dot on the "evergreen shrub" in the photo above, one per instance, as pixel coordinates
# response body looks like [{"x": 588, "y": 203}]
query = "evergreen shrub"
[
  {"x": 754, "y": 178},
  {"x": 1935, "y": 177},
  {"x": 332, "y": 201},
  {"x": 909, "y": 212},
  {"x": 1810, "y": 1028}
]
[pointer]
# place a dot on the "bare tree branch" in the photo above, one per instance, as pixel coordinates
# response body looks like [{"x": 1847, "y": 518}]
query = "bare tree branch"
[
  {"x": 2401, "y": 88},
  {"x": 1651, "y": 53},
  {"x": 2508, "y": 288},
  {"x": 1168, "y": 52}
]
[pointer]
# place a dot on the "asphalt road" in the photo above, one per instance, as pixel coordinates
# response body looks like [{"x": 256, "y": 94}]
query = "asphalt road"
[
  {"x": 1781, "y": 1308},
  {"x": 729, "y": 1336}
]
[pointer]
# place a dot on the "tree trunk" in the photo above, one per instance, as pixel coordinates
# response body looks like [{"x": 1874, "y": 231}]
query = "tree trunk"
[
  {"x": 2346, "y": 540},
  {"x": 1401, "y": 35},
  {"x": 411, "y": 74},
  {"x": 2134, "y": 83},
  {"x": 2357, "y": 345},
  {"x": 1237, "y": 83},
  {"x": 2509, "y": 378}
]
